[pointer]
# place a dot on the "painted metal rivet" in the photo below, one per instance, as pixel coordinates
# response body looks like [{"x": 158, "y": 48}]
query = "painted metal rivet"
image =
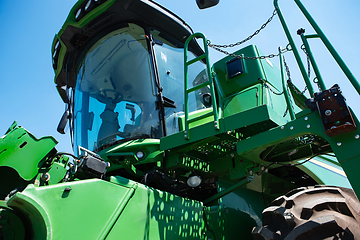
[
  {"x": 282, "y": 127},
  {"x": 185, "y": 132},
  {"x": 185, "y": 136},
  {"x": 216, "y": 126},
  {"x": 339, "y": 144},
  {"x": 291, "y": 128},
  {"x": 45, "y": 177},
  {"x": 306, "y": 118},
  {"x": 308, "y": 126},
  {"x": 357, "y": 136}
]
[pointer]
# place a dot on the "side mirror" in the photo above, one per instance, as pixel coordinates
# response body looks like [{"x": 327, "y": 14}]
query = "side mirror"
[
  {"x": 202, "y": 4},
  {"x": 63, "y": 122}
]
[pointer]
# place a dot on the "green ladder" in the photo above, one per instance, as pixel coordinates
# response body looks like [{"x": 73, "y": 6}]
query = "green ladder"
[{"x": 188, "y": 90}]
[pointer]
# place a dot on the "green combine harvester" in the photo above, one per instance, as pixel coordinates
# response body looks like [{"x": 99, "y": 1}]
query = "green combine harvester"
[{"x": 169, "y": 146}]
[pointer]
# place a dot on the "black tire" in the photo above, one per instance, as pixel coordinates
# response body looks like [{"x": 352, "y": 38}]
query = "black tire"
[{"x": 312, "y": 213}]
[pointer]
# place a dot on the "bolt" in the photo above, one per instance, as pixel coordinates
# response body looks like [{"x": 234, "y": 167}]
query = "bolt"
[
  {"x": 300, "y": 31},
  {"x": 339, "y": 144},
  {"x": 306, "y": 118},
  {"x": 216, "y": 126},
  {"x": 282, "y": 127},
  {"x": 185, "y": 132},
  {"x": 308, "y": 126},
  {"x": 185, "y": 136},
  {"x": 215, "y": 122},
  {"x": 357, "y": 136},
  {"x": 45, "y": 177},
  {"x": 328, "y": 112},
  {"x": 291, "y": 128}
]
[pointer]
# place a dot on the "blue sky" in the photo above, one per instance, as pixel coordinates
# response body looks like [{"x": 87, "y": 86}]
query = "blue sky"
[{"x": 28, "y": 27}]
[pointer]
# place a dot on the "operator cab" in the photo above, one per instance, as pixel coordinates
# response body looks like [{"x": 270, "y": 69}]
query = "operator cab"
[
  {"x": 118, "y": 82},
  {"x": 119, "y": 67}
]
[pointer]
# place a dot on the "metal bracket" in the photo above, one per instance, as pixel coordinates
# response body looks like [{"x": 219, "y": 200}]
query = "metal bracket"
[{"x": 334, "y": 112}]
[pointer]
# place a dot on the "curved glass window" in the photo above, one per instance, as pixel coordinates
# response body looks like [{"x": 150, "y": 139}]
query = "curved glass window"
[
  {"x": 115, "y": 93},
  {"x": 170, "y": 62}
]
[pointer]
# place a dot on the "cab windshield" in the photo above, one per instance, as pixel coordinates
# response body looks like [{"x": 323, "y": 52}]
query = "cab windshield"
[{"x": 115, "y": 94}]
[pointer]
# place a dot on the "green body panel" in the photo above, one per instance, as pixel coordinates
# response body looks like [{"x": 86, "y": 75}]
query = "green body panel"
[
  {"x": 23, "y": 152},
  {"x": 194, "y": 115},
  {"x": 49, "y": 208},
  {"x": 124, "y": 155},
  {"x": 255, "y": 87},
  {"x": 252, "y": 72},
  {"x": 245, "y": 100},
  {"x": 256, "y": 120},
  {"x": 134, "y": 211}
]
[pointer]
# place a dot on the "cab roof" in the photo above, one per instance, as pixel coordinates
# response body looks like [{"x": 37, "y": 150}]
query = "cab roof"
[{"x": 89, "y": 18}]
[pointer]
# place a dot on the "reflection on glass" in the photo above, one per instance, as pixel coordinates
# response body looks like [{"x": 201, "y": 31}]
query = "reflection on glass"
[
  {"x": 114, "y": 95},
  {"x": 170, "y": 62}
]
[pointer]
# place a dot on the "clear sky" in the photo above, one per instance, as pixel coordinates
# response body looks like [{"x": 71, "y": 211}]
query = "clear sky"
[{"x": 27, "y": 29}]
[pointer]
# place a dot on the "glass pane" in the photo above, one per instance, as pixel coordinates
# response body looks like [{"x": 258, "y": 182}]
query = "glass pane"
[
  {"x": 114, "y": 95},
  {"x": 170, "y": 61}
]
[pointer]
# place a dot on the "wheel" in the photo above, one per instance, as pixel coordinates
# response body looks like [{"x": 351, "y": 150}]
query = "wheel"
[
  {"x": 106, "y": 95},
  {"x": 312, "y": 213}
]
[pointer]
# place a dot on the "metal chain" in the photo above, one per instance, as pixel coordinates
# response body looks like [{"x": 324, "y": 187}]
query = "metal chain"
[
  {"x": 268, "y": 86},
  {"x": 289, "y": 81},
  {"x": 218, "y": 47},
  {"x": 253, "y": 58},
  {"x": 309, "y": 67},
  {"x": 246, "y": 39},
  {"x": 308, "y": 60}
]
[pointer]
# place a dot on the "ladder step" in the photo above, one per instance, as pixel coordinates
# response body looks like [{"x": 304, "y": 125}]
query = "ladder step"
[
  {"x": 197, "y": 87},
  {"x": 195, "y": 60},
  {"x": 200, "y": 117}
]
